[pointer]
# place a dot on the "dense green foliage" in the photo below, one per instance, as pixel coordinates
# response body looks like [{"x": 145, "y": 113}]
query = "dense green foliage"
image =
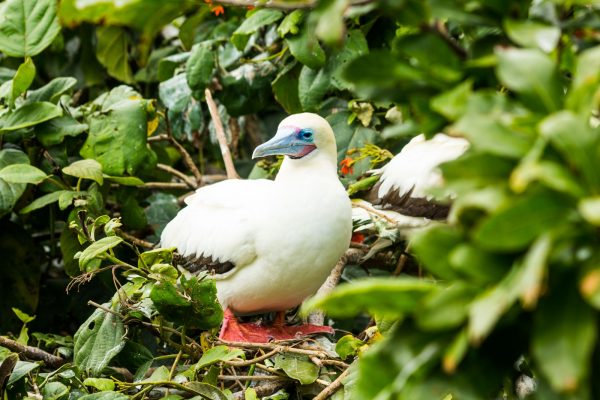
[{"x": 104, "y": 126}]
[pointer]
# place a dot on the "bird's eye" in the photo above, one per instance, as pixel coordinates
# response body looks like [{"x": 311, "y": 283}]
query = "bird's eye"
[{"x": 306, "y": 134}]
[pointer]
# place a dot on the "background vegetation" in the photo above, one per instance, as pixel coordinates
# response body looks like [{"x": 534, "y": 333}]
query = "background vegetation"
[{"x": 104, "y": 127}]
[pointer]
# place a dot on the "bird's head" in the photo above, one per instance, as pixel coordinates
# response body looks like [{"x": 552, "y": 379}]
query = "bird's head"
[{"x": 299, "y": 136}]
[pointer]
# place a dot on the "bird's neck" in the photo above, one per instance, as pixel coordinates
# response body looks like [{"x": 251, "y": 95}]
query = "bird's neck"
[{"x": 315, "y": 166}]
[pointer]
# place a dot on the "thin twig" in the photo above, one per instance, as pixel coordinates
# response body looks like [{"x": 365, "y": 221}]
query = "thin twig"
[
  {"x": 264, "y": 389},
  {"x": 282, "y": 5},
  {"x": 333, "y": 387},
  {"x": 187, "y": 159},
  {"x": 318, "y": 317},
  {"x": 32, "y": 352},
  {"x": 165, "y": 185},
  {"x": 251, "y": 378},
  {"x": 272, "y": 346},
  {"x": 214, "y": 114},
  {"x": 245, "y": 363},
  {"x": 186, "y": 179},
  {"x": 137, "y": 241}
]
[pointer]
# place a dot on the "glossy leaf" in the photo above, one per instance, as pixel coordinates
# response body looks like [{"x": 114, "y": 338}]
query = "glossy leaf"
[
  {"x": 85, "y": 169},
  {"x": 298, "y": 367},
  {"x": 23, "y": 78},
  {"x": 10, "y": 192},
  {"x": 22, "y": 173},
  {"x": 29, "y": 115},
  {"x": 112, "y": 52},
  {"x": 97, "y": 249},
  {"x": 199, "y": 67},
  {"x": 29, "y": 26},
  {"x": 383, "y": 297},
  {"x": 306, "y": 48},
  {"x": 255, "y": 21}
]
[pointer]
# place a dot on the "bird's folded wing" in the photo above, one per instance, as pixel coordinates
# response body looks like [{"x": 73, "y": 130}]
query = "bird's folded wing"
[{"x": 220, "y": 222}]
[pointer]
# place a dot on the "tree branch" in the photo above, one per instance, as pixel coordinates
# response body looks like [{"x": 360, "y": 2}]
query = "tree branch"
[
  {"x": 318, "y": 317},
  {"x": 186, "y": 179},
  {"x": 32, "y": 352},
  {"x": 187, "y": 159},
  {"x": 280, "y": 5},
  {"x": 214, "y": 114},
  {"x": 333, "y": 387}
]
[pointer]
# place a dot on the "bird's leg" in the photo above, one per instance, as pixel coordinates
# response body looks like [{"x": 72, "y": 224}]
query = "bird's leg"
[
  {"x": 279, "y": 320},
  {"x": 234, "y": 331}
]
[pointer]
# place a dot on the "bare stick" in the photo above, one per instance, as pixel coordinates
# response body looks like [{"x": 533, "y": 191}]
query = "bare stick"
[
  {"x": 333, "y": 387},
  {"x": 187, "y": 159},
  {"x": 32, "y": 352},
  {"x": 287, "y": 349},
  {"x": 264, "y": 389},
  {"x": 190, "y": 182},
  {"x": 281, "y": 5},
  {"x": 270, "y": 354},
  {"x": 214, "y": 114},
  {"x": 318, "y": 317},
  {"x": 165, "y": 185},
  {"x": 250, "y": 378},
  {"x": 137, "y": 241}
]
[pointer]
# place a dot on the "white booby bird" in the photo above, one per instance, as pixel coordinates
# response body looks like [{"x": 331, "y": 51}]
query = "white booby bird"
[
  {"x": 270, "y": 244},
  {"x": 403, "y": 193}
]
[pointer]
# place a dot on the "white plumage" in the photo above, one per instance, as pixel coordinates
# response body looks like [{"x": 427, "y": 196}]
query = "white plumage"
[
  {"x": 413, "y": 173},
  {"x": 416, "y": 166},
  {"x": 284, "y": 236}
]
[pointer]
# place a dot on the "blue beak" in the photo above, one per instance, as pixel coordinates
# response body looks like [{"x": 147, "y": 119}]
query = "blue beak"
[{"x": 287, "y": 145}]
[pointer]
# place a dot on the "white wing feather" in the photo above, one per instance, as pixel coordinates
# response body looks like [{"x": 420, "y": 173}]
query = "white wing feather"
[
  {"x": 416, "y": 166},
  {"x": 218, "y": 221}
]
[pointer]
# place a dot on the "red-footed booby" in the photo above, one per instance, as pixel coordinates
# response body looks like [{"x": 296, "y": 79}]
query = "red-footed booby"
[
  {"x": 403, "y": 191},
  {"x": 270, "y": 244}
]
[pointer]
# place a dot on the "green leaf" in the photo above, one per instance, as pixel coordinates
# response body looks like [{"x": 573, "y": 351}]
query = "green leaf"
[
  {"x": 583, "y": 96},
  {"x": 285, "y": 88},
  {"x": 446, "y": 308},
  {"x": 20, "y": 371},
  {"x": 162, "y": 209},
  {"x": 453, "y": 103},
  {"x": 330, "y": 26},
  {"x": 29, "y": 115},
  {"x": 97, "y": 249},
  {"x": 55, "y": 391},
  {"x": 118, "y": 138},
  {"x": 589, "y": 208},
  {"x": 86, "y": 169},
  {"x": 98, "y": 340},
  {"x": 156, "y": 256},
  {"x": 348, "y": 346},
  {"x": 312, "y": 86},
  {"x": 112, "y": 52},
  {"x": 306, "y": 48},
  {"x": 377, "y": 296},
  {"x": 175, "y": 93},
  {"x": 28, "y": 27},
  {"x": 205, "y": 390},
  {"x": 105, "y": 396},
  {"x": 102, "y": 384},
  {"x": 298, "y": 367},
  {"x": 533, "y": 75},
  {"x": 42, "y": 202},
  {"x": 563, "y": 338},
  {"x": 54, "y": 131},
  {"x": 433, "y": 247},
  {"x": 10, "y": 192},
  {"x": 22, "y": 173},
  {"x": 23, "y": 78},
  {"x": 52, "y": 90},
  {"x": 25, "y": 318},
  {"x": 253, "y": 23},
  {"x": 125, "y": 180},
  {"x": 192, "y": 303},
  {"x": 529, "y": 33},
  {"x": 199, "y": 67},
  {"x": 290, "y": 23},
  {"x": 217, "y": 354},
  {"x": 519, "y": 223}
]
